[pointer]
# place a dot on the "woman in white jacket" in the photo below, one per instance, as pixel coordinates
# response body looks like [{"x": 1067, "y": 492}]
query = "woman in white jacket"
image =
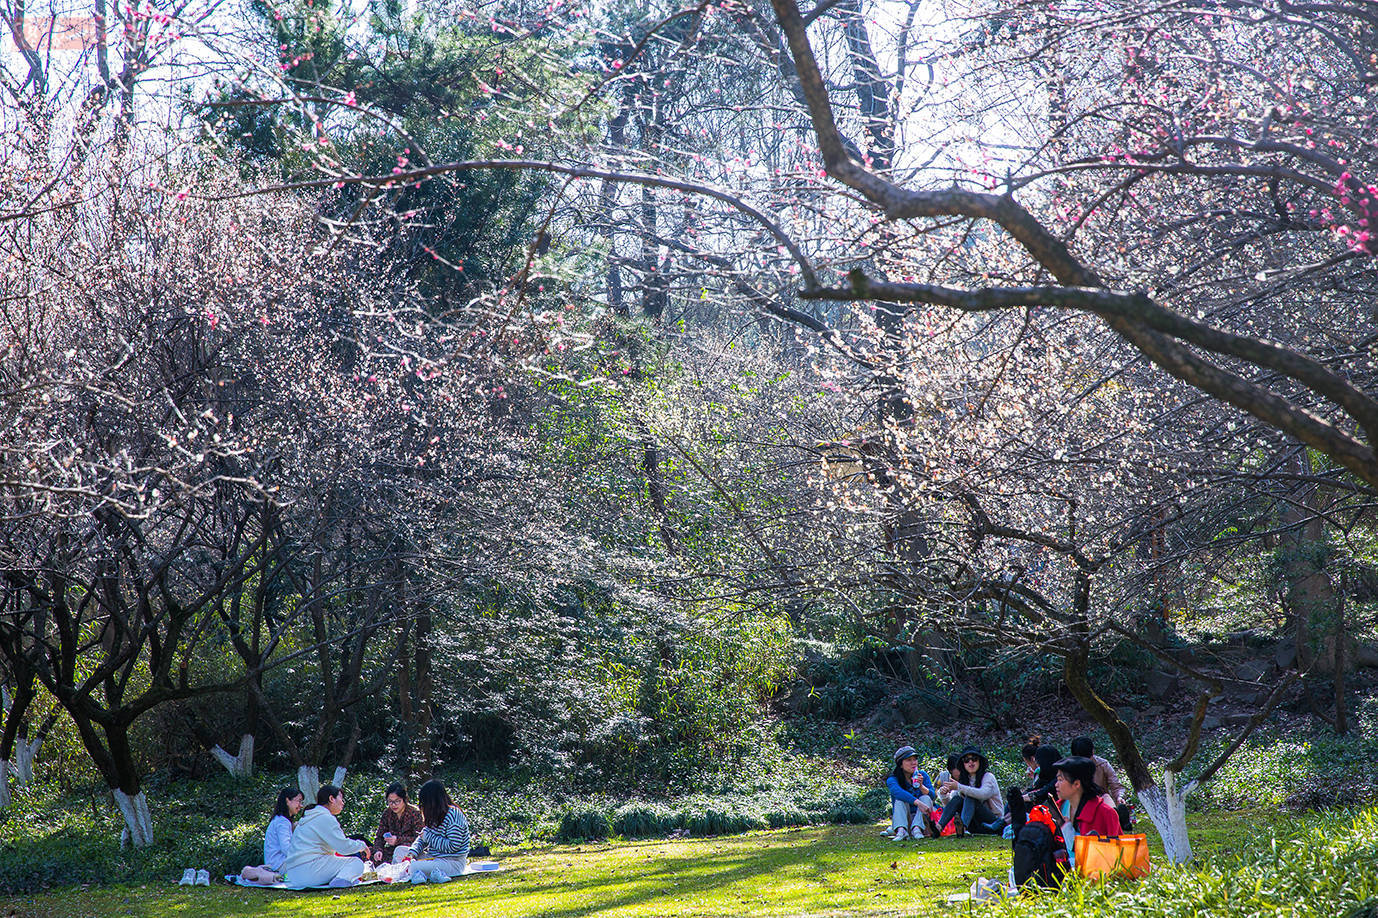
[{"x": 320, "y": 853}]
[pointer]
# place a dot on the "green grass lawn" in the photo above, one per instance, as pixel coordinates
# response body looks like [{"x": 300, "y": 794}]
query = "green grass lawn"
[{"x": 822, "y": 870}]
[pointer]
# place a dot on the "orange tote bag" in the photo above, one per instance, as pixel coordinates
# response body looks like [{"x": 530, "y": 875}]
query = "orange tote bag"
[{"x": 1121, "y": 856}]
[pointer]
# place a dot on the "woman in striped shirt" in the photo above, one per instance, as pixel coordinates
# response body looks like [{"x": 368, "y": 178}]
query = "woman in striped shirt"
[{"x": 442, "y": 851}]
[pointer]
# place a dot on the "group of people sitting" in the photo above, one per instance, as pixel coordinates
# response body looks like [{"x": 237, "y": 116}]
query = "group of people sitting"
[
  {"x": 430, "y": 842},
  {"x": 1081, "y": 790}
]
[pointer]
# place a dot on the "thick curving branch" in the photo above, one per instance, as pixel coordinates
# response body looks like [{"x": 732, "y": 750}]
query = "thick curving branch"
[{"x": 1159, "y": 333}]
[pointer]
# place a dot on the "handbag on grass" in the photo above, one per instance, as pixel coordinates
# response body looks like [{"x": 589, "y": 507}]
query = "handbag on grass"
[{"x": 1121, "y": 856}]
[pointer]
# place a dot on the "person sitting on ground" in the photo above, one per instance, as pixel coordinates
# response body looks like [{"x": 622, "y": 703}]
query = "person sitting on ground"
[
  {"x": 277, "y": 838},
  {"x": 442, "y": 850},
  {"x": 911, "y": 796},
  {"x": 1030, "y": 762},
  {"x": 1029, "y": 753},
  {"x": 398, "y": 828},
  {"x": 1106, "y": 778},
  {"x": 1083, "y": 808},
  {"x": 1038, "y": 851},
  {"x": 954, "y": 776},
  {"x": 318, "y": 838},
  {"x": 1045, "y": 778},
  {"x": 976, "y": 804}
]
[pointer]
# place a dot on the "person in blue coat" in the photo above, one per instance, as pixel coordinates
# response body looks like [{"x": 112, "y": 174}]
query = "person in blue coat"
[
  {"x": 911, "y": 797},
  {"x": 276, "y": 839}
]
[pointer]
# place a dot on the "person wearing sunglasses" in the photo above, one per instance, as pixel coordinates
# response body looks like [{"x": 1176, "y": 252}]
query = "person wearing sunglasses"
[{"x": 974, "y": 800}]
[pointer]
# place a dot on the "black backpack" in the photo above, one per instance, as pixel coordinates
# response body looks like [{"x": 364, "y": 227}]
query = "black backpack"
[
  {"x": 1037, "y": 852},
  {"x": 1035, "y": 855}
]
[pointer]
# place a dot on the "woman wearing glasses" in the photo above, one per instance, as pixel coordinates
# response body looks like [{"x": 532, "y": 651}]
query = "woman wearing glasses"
[{"x": 974, "y": 800}]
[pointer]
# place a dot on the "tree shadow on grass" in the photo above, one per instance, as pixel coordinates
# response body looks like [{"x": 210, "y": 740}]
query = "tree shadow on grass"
[
  {"x": 689, "y": 876},
  {"x": 688, "y": 880},
  {"x": 824, "y": 869}
]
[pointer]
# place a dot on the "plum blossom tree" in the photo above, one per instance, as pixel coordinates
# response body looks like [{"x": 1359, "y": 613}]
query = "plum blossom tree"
[{"x": 1246, "y": 354}]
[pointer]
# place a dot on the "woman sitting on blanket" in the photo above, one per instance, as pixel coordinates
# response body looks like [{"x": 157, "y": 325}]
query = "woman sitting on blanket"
[
  {"x": 313, "y": 858},
  {"x": 442, "y": 851},
  {"x": 277, "y": 838},
  {"x": 398, "y": 828}
]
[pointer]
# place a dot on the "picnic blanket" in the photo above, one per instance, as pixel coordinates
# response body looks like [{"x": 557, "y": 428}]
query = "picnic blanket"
[{"x": 385, "y": 875}]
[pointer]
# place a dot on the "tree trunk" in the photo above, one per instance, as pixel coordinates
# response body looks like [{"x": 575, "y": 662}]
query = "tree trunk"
[
  {"x": 309, "y": 780},
  {"x": 137, "y": 820},
  {"x": 423, "y": 754},
  {"x": 24, "y": 754},
  {"x": 4, "y": 785},
  {"x": 1341, "y": 635},
  {"x": 1166, "y": 807},
  {"x": 1308, "y": 591},
  {"x": 607, "y": 196},
  {"x": 122, "y": 776},
  {"x": 242, "y": 765},
  {"x": 654, "y": 284}
]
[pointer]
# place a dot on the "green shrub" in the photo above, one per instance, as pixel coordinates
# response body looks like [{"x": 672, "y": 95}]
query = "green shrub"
[
  {"x": 849, "y": 815},
  {"x": 643, "y": 821},
  {"x": 783, "y": 819},
  {"x": 583, "y": 825},
  {"x": 717, "y": 822}
]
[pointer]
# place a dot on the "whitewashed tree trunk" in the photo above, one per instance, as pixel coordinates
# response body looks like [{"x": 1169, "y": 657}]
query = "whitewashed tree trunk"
[
  {"x": 1167, "y": 808},
  {"x": 242, "y": 765},
  {"x": 24, "y": 754},
  {"x": 137, "y": 820},
  {"x": 309, "y": 780},
  {"x": 4, "y": 765}
]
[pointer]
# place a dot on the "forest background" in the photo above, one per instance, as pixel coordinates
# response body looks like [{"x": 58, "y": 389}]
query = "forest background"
[{"x": 639, "y": 401}]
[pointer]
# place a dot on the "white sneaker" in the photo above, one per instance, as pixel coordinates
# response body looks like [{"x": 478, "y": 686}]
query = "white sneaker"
[
  {"x": 203, "y": 878},
  {"x": 188, "y": 877},
  {"x": 900, "y": 835}
]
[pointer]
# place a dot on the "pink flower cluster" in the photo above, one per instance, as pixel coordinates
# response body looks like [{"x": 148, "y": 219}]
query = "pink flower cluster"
[{"x": 1362, "y": 202}]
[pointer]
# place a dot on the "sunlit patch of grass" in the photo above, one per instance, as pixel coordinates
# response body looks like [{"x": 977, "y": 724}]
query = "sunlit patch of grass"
[{"x": 820, "y": 870}]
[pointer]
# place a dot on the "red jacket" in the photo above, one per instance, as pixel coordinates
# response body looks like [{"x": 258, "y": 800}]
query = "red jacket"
[{"x": 1097, "y": 817}]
